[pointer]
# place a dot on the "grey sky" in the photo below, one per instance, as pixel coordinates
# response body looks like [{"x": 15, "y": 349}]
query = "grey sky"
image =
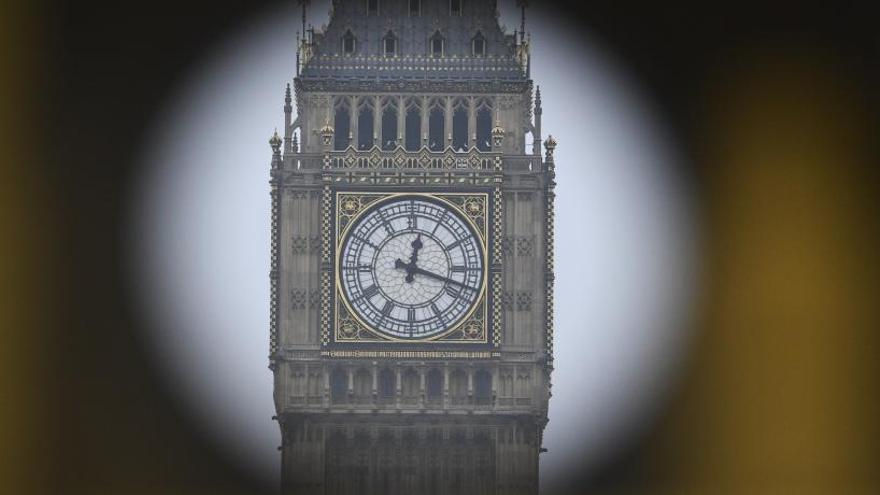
[{"x": 200, "y": 240}]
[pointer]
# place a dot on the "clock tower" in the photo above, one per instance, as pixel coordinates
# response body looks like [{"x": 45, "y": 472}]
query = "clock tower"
[{"x": 411, "y": 314}]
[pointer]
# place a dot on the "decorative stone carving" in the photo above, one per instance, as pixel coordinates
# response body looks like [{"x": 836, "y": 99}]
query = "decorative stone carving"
[
  {"x": 507, "y": 245},
  {"x": 297, "y": 298},
  {"x": 315, "y": 244},
  {"x": 524, "y": 301},
  {"x": 506, "y": 300},
  {"x": 314, "y": 298},
  {"x": 524, "y": 246},
  {"x": 298, "y": 244}
]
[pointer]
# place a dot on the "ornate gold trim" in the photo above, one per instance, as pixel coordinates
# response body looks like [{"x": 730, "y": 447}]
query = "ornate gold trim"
[{"x": 348, "y": 327}]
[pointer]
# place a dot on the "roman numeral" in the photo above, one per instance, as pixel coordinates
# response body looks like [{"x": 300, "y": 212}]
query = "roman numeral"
[
  {"x": 411, "y": 315},
  {"x": 386, "y": 310},
  {"x": 454, "y": 244},
  {"x": 385, "y": 222},
  {"x": 437, "y": 312},
  {"x": 439, "y": 221},
  {"x": 461, "y": 268},
  {"x": 367, "y": 242},
  {"x": 453, "y": 291},
  {"x": 360, "y": 268},
  {"x": 369, "y": 292}
]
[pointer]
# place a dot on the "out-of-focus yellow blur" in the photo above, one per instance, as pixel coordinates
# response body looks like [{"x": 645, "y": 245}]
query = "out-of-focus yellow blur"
[
  {"x": 781, "y": 395},
  {"x": 24, "y": 263}
]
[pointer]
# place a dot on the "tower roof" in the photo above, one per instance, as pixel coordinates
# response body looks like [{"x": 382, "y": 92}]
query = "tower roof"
[{"x": 441, "y": 40}]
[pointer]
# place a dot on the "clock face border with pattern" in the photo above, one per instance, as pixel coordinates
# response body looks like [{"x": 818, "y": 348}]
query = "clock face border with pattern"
[{"x": 411, "y": 267}]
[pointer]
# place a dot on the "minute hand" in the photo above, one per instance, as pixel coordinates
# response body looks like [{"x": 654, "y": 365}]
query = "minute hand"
[{"x": 413, "y": 269}]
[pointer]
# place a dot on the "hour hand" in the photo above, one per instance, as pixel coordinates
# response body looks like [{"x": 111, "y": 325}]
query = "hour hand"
[{"x": 416, "y": 245}]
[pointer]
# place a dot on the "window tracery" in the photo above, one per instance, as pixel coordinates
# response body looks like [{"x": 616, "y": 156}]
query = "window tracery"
[
  {"x": 389, "y": 44},
  {"x": 349, "y": 43}
]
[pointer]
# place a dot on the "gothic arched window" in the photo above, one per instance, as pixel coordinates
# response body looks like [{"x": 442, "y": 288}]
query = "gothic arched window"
[
  {"x": 409, "y": 385},
  {"x": 338, "y": 385},
  {"x": 389, "y": 124},
  {"x": 363, "y": 385},
  {"x": 458, "y": 386},
  {"x": 389, "y": 44},
  {"x": 484, "y": 126},
  {"x": 413, "y": 125},
  {"x": 386, "y": 384},
  {"x": 460, "y": 125},
  {"x": 365, "y": 125},
  {"x": 437, "y": 45},
  {"x": 483, "y": 387},
  {"x": 372, "y": 7},
  {"x": 436, "y": 124},
  {"x": 434, "y": 385},
  {"x": 341, "y": 124},
  {"x": 348, "y": 43},
  {"x": 415, "y": 7},
  {"x": 478, "y": 45}
]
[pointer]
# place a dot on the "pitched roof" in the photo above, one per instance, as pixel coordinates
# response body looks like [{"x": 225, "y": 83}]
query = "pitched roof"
[{"x": 412, "y": 58}]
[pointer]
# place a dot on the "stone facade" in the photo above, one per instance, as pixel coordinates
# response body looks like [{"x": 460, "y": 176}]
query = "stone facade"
[{"x": 430, "y": 417}]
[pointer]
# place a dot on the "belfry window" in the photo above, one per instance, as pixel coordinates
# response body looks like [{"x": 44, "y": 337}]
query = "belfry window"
[
  {"x": 455, "y": 7},
  {"x": 348, "y": 43},
  {"x": 372, "y": 7},
  {"x": 415, "y": 7},
  {"x": 389, "y": 125},
  {"x": 437, "y": 45},
  {"x": 484, "y": 125},
  {"x": 389, "y": 44},
  {"x": 436, "y": 122},
  {"x": 365, "y": 126},
  {"x": 413, "y": 126},
  {"x": 341, "y": 125},
  {"x": 478, "y": 45},
  {"x": 460, "y": 126}
]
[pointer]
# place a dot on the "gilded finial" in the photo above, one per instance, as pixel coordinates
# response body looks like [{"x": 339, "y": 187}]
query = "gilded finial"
[
  {"x": 327, "y": 128},
  {"x": 498, "y": 130},
  {"x": 275, "y": 142},
  {"x": 327, "y": 133},
  {"x": 497, "y": 134},
  {"x": 550, "y": 144}
]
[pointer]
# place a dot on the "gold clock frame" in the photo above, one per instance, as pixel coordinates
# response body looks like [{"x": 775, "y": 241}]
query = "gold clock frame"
[{"x": 473, "y": 328}]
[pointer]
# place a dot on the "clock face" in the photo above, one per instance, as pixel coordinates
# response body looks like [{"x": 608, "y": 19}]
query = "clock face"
[{"x": 411, "y": 267}]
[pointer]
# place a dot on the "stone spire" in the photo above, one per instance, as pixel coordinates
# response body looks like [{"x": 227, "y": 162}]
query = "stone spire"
[
  {"x": 288, "y": 119},
  {"x": 536, "y": 144},
  {"x": 275, "y": 143}
]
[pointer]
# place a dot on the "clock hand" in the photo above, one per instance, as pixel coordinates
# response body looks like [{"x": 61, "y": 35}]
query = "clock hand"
[
  {"x": 416, "y": 245},
  {"x": 410, "y": 269}
]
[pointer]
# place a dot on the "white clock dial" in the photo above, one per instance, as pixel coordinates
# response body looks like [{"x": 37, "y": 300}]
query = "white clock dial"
[{"x": 411, "y": 267}]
